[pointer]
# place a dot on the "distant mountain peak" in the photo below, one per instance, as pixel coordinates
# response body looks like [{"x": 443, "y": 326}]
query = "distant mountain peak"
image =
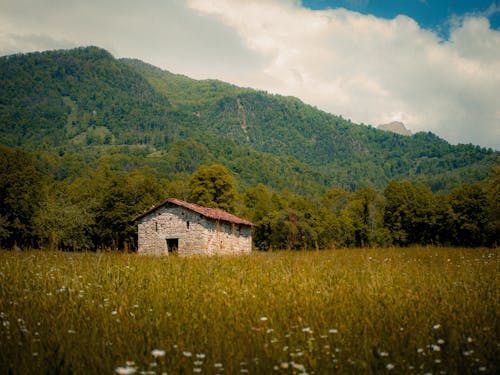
[{"x": 395, "y": 127}]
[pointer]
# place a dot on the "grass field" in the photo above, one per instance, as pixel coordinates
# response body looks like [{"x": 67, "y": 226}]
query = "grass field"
[{"x": 417, "y": 310}]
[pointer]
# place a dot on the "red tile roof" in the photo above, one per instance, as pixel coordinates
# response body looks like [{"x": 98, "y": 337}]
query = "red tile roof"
[{"x": 212, "y": 213}]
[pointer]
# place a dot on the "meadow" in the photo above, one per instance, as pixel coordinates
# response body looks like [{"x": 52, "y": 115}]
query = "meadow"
[{"x": 412, "y": 311}]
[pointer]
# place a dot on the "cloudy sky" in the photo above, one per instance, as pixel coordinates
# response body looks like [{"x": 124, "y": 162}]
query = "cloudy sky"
[{"x": 434, "y": 65}]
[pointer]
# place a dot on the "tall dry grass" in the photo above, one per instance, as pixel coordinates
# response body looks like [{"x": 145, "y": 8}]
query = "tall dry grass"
[{"x": 418, "y": 310}]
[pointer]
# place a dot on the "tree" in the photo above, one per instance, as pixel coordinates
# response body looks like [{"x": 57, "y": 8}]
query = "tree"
[
  {"x": 20, "y": 187},
  {"x": 257, "y": 202},
  {"x": 471, "y": 207},
  {"x": 493, "y": 191},
  {"x": 336, "y": 229},
  {"x": 4, "y": 228},
  {"x": 291, "y": 231},
  {"x": 258, "y": 208},
  {"x": 365, "y": 211},
  {"x": 410, "y": 213},
  {"x": 213, "y": 186},
  {"x": 62, "y": 224},
  {"x": 114, "y": 200}
]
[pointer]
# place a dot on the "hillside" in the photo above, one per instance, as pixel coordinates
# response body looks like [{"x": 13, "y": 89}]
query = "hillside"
[{"x": 83, "y": 106}]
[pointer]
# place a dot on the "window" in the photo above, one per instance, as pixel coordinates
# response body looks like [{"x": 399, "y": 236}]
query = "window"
[{"x": 187, "y": 225}]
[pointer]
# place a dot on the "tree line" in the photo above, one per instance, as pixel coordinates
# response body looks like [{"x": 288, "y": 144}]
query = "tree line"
[{"x": 95, "y": 210}]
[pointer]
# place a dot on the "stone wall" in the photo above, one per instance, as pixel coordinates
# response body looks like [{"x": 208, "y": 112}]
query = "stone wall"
[{"x": 195, "y": 233}]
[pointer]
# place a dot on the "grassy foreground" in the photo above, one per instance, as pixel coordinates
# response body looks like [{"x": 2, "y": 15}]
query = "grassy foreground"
[{"x": 419, "y": 310}]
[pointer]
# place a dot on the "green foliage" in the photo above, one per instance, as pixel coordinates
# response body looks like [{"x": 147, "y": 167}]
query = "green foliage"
[
  {"x": 493, "y": 191},
  {"x": 114, "y": 200},
  {"x": 413, "y": 214},
  {"x": 20, "y": 193},
  {"x": 84, "y": 102},
  {"x": 470, "y": 205},
  {"x": 4, "y": 229},
  {"x": 94, "y": 211},
  {"x": 183, "y": 92},
  {"x": 52, "y": 99},
  {"x": 109, "y": 138},
  {"x": 365, "y": 214},
  {"x": 213, "y": 186},
  {"x": 62, "y": 224}
]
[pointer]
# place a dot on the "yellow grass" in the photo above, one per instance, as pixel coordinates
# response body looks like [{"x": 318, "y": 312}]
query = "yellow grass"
[{"x": 418, "y": 310}]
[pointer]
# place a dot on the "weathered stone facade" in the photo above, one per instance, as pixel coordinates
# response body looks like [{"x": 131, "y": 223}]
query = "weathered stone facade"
[{"x": 172, "y": 228}]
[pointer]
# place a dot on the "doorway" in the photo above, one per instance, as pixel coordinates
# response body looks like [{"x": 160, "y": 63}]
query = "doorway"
[{"x": 172, "y": 245}]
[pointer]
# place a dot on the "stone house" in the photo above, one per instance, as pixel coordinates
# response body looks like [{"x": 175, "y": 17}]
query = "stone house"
[{"x": 178, "y": 227}]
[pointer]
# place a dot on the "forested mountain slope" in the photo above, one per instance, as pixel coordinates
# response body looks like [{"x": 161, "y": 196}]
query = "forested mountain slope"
[
  {"x": 347, "y": 154},
  {"x": 84, "y": 106}
]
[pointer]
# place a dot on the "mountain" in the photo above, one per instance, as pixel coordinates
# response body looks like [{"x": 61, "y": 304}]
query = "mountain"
[
  {"x": 395, "y": 127},
  {"x": 83, "y": 106}
]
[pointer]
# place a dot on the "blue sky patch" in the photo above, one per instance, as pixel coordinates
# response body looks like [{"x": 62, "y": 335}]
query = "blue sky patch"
[{"x": 436, "y": 15}]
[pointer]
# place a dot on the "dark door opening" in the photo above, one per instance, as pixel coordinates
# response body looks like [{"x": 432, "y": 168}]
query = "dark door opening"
[{"x": 172, "y": 245}]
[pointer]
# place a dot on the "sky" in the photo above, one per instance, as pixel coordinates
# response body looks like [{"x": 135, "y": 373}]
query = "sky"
[{"x": 434, "y": 65}]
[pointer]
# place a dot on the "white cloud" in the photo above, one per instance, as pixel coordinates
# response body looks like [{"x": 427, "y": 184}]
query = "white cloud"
[
  {"x": 368, "y": 69},
  {"x": 375, "y": 70},
  {"x": 167, "y": 34}
]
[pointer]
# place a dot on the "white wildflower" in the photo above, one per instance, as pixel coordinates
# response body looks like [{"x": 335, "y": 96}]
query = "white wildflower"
[
  {"x": 298, "y": 366},
  {"x": 158, "y": 353},
  {"x": 125, "y": 370}
]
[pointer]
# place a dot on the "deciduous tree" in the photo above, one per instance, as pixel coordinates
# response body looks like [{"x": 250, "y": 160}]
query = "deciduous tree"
[
  {"x": 470, "y": 205},
  {"x": 20, "y": 188},
  {"x": 213, "y": 186}
]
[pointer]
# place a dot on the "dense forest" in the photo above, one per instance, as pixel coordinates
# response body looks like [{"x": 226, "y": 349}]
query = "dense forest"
[
  {"x": 88, "y": 141},
  {"x": 95, "y": 210}
]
